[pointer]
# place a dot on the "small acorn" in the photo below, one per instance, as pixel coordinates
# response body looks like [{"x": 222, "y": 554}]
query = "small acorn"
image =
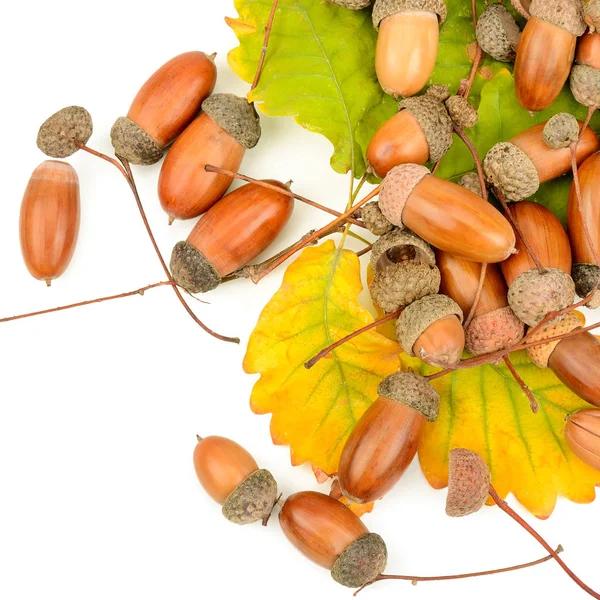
[
  {"x": 421, "y": 131},
  {"x": 352, "y": 4},
  {"x": 374, "y": 220},
  {"x": 498, "y": 33},
  {"x": 591, "y": 14},
  {"x": 232, "y": 478},
  {"x": 461, "y": 112},
  {"x": 386, "y": 438},
  {"x": 407, "y": 44},
  {"x": 561, "y": 131},
  {"x": 582, "y": 433},
  {"x": 469, "y": 480},
  {"x": 332, "y": 536},
  {"x": 58, "y": 135},
  {"x": 585, "y": 75}
]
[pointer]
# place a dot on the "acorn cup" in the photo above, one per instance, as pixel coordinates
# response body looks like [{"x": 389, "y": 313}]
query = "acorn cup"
[
  {"x": 332, "y": 536},
  {"x": 231, "y": 477},
  {"x": 591, "y": 14},
  {"x": 421, "y": 131},
  {"x": 546, "y": 51},
  {"x": 494, "y": 326},
  {"x": 373, "y": 219},
  {"x": 407, "y": 45},
  {"x": 586, "y": 273},
  {"x": 352, "y": 4},
  {"x": 518, "y": 167},
  {"x": 60, "y": 134},
  {"x": 220, "y": 136},
  {"x": 230, "y": 235},
  {"x": 582, "y": 432},
  {"x": 532, "y": 294},
  {"x": 585, "y": 75},
  {"x": 445, "y": 215},
  {"x": 498, "y": 33},
  {"x": 385, "y": 440}
]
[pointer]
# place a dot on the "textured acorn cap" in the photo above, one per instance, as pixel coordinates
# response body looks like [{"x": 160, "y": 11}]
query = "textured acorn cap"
[
  {"x": 498, "y": 33},
  {"x": 566, "y": 14},
  {"x": 374, "y": 220},
  {"x": 396, "y": 187},
  {"x": 561, "y": 131},
  {"x": 361, "y": 562},
  {"x": 461, "y": 112},
  {"x": 402, "y": 283},
  {"x": 469, "y": 482},
  {"x": 508, "y": 169},
  {"x": 492, "y": 331},
  {"x": 591, "y": 13},
  {"x": 540, "y": 355},
  {"x": 470, "y": 181},
  {"x": 57, "y": 134},
  {"x": 417, "y": 317},
  {"x": 399, "y": 239},
  {"x": 191, "y": 270},
  {"x": 585, "y": 85},
  {"x": 352, "y": 4},
  {"x": 440, "y": 92},
  {"x": 533, "y": 295},
  {"x": 386, "y": 8},
  {"x": 586, "y": 279},
  {"x": 236, "y": 116},
  {"x": 133, "y": 144},
  {"x": 252, "y": 500},
  {"x": 434, "y": 120},
  {"x": 413, "y": 391}
]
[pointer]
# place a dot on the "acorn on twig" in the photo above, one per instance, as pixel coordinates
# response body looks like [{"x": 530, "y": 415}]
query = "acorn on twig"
[
  {"x": 469, "y": 480},
  {"x": 59, "y": 135},
  {"x": 498, "y": 33}
]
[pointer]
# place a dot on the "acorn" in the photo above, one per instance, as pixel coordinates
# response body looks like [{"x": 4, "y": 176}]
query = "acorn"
[
  {"x": 585, "y": 75},
  {"x": 374, "y": 220},
  {"x": 494, "y": 326},
  {"x": 165, "y": 105},
  {"x": 546, "y": 51},
  {"x": 352, "y": 4},
  {"x": 59, "y": 134},
  {"x": 332, "y": 536},
  {"x": 585, "y": 272},
  {"x": 386, "y": 438},
  {"x": 582, "y": 433},
  {"x": 49, "y": 221},
  {"x": 517, "y": 168},
  {"x": 230, "y": 235},
  {"x": 561, "y": 131},
  {"x": 469, "y": 480},
  {"x": 533, "y": 294},
  {"x": 498, "y": 33},
  {"x": 231, "y": 477},
  {"x": 471, "y": 182},
  {"x": 446, "y": 215},
  {"x": 461, "y": 112},
  {"x": 591, "y": 14},
  {"x": 407, "y": 44},
  {"x": 220, "y": 136},
  {"x": 431, "y": 329},
  {"x": 421, "y": 131}
]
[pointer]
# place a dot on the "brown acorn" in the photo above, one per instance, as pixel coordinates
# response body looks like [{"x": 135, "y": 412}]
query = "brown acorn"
[
  {"x": 469, "y": 481},
  {"x": 220, "y": 136},
  {"x": 332, "y": 536},
  {"x": 230, "y": 235},
  {"x": 385, "y": 440},
  {"x": 582, "y": 432},
  {"x": 546, "y": 51},
  {"x": 49, "y": 223},
  {"x": 585, "y": 76},
  {"x": 232, "y": 478}
]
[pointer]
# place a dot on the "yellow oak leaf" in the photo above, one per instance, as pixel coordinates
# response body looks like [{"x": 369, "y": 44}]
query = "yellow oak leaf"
[{"x": 315, "y": 410}]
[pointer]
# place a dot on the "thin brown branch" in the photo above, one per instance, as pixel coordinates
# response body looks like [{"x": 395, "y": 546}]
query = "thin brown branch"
[
  {"x": 535, "y": 407},
  {"x": 478, "y": 293},
  {"x": 365, "y": 250},
  {"x": 265, "y": 47},
  {"x": 465, "y": 88},
  {"x": 467, "y": 142}
]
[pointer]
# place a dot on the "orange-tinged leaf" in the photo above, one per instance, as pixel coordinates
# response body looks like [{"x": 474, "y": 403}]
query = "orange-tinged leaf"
[
  {"x": 315, "y": 410},
  {"x": 358, "y": 509}
]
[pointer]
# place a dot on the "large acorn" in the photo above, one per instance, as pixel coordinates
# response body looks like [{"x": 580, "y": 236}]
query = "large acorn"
[{"x": 582, "y": 432}]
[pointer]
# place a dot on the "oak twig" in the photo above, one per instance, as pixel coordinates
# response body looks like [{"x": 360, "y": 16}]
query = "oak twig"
[{"x": 265, "y": 47}]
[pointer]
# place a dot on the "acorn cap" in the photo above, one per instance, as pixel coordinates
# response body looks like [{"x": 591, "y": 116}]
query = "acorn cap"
[
  {"x": 495, "y": 330},
  {"x": 191, "y": 270},
  {"x": 586, "y": 279},
  {"x": 417, "y": 317},
  {"x": 236, "y": 116},
  {"x": 470, "y": 181},
  {"x": 402, "y": 283},
  {"x": 498, "y": 33},
  {"x": 396, "y": 187},
  {"x": 434, "y": 120},
  {"x": 461, "y": 112},
  {"x": 386, "y": 8},
  {"x": 508, "y": 169},
  {"x": 361, "y": 562},
  {"x": 399, "y": 239},
  {"x": 533, "y": 295},
  {"x": 352, "y": 4},
  {"x": 540, "y": 355},
  {"x": 133, "y": 144},
  {"x": 374, "y": 220},
  {"x": 585, "y": 85},
  {"x": 57, "y": 134},
  {"x": 566, "y": 14},
  {"x": 591, "y": 13},
  {"x": 252, "y": 500},
  {"x": 469, "y": 482},
  {"x": 561, "y": 131},
  {"x": 439, "y": 92},
  {"x": 413, "y": 391}
]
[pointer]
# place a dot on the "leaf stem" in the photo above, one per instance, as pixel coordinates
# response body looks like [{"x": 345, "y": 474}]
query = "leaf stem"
[
  {"x": 535, "y": 407},
  {"x": 265, "y": 47}
]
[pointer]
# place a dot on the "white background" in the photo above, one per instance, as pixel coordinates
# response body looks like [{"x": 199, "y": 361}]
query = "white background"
[{"x": 99, "y": 406}]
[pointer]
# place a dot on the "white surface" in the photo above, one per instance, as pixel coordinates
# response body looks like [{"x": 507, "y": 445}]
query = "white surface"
[{"x": 99, "y": 406}]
